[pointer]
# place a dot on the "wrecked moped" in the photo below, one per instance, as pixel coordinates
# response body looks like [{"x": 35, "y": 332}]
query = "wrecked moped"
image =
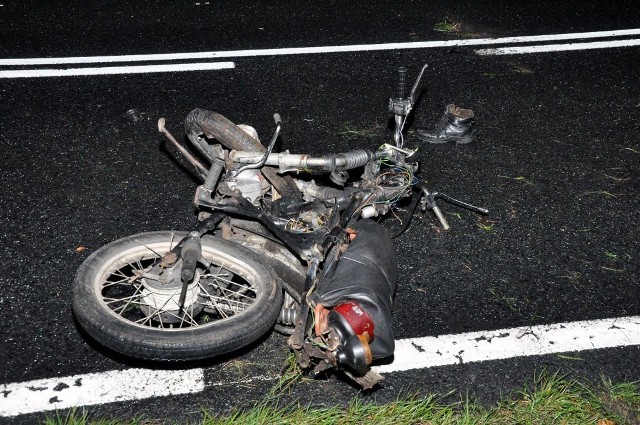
[{"x": 270, "y": 249}]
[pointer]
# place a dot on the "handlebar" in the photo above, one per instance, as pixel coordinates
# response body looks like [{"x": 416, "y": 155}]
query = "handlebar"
[
  {"x": 402, "y": 76},
  {"x": 401, "y": 106},
  {"x": 263, "y": 160}
]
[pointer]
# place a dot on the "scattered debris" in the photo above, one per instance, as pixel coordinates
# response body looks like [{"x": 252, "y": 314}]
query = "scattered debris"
[
  {"x": 596, "y": 193},
  {"x": 565, "y": 357},
  {"x": 521, "y": 69},
  {"x": 61, "y": 386},
  {"x": 519, "y": 179},
  {"x": 134, "y": 115},
  {"x": 418, "y": 347},
  {"x": 350, "y": 131}
]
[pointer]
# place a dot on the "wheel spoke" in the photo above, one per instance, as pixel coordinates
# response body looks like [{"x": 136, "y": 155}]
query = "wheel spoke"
[
  {"x": 120, "y": 274},
  {"x": 109, "y": 300},
  {"x": 156, "y": 312},
  {"x": 150, "y": 249},
  {"x": 230, "y": 301},
  {"x": 234, "y": 293},
  {"x": 139, "y": 264},
  {"x": 214, "y": 305},
  {"x": 216, "y": 277},
  {"x": 122, "y": 310},
  {"x": 145, "y": 319},
  {"x": 160, "y": 320},
  {"x": 123, "y": 282},
  {"x": 187, "y": 315}
]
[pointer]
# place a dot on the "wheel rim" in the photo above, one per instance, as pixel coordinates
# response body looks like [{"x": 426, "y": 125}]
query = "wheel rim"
[{"x": 128, "y": 288}]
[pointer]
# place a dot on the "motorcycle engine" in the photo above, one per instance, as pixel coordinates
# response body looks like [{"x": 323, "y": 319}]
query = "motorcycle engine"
[{"x": 251, "y": 184}]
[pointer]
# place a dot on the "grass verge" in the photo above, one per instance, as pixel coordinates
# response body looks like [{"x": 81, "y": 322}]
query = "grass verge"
[{"x": 550, "y": 399}]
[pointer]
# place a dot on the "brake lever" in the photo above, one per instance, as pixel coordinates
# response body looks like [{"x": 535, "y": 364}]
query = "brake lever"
[
  {"x": 429, "y": 202},
  {"x": 460, "y": 203}
]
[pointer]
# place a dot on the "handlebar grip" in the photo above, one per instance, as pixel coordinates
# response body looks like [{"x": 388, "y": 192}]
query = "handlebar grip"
[{"x": 402, "y": 77}]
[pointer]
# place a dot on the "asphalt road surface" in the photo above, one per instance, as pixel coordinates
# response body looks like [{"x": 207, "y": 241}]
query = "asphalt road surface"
[{"x": 556, "y": 160}]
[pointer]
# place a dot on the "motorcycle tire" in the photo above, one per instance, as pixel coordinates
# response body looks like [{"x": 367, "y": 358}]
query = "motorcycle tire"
[{"x": 234, "y": 300}]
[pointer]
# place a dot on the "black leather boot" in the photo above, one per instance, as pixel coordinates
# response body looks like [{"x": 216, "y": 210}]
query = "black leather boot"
[{"x": 456, "y": 125}]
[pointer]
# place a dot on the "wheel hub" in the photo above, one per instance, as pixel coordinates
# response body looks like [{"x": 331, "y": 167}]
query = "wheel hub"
[{"x": 161, "y": 296}]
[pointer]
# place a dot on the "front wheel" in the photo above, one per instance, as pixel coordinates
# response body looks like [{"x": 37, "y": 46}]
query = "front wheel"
[{"x": 127, "y": 300}]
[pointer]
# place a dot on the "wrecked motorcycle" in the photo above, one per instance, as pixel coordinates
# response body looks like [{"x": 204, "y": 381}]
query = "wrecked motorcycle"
[{"x": 270, "y": 249}]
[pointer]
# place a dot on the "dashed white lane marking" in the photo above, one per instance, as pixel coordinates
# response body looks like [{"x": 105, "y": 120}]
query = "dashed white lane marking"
[
  {"x": 97, "y": 388},
  {"x": 559, "y": 47},
  {"x": 414, "y": 353},
  {"x": 418, "y": 353},
  {"x": 318, "y": 49},
  {"x": 116, "y": 70}
]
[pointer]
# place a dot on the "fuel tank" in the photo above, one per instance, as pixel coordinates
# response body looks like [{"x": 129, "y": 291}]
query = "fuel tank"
[{"x": 359, "y": 296}]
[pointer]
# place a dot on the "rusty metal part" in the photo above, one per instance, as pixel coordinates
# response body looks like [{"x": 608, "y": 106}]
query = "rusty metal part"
[
  {"x": 320, "y": 314},
  {"x": 284, "y": 185},
  {"x": 162, "y": 129},
  {"x": 226, "y": 228},
  {"x": 168, "y": 259},
  {"x": 364, "y": 339},
  {"x": 367, "y": 381}
]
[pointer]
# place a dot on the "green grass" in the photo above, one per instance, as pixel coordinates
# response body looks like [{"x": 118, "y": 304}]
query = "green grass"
[
  {"x": 602, "y": 193},
  {"x": 455, "y": 28},
  {"x": 486, "y": 227},
  {"x": 350, "y": 131},
  {"x": 510, "y": 302},
  {"x": 291, "y": 374},
  {"x": 81, "y": 417},
  {"x": 520, "y": 69},
  {"x": 550, "y": 399},
  {"x": 519, "y": 179},
  {"x": 447, "y": 26}
]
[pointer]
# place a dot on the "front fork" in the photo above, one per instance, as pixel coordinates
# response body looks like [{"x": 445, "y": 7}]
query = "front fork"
[{"x": 401, "y": 105}]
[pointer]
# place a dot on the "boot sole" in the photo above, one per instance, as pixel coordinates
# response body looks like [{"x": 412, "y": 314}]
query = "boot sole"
[
  {"x": 464, "y": 140},
  {"x": 459, "y": 140}
]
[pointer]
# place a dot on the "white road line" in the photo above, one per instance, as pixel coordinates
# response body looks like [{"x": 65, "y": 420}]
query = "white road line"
[
  {"x": 413, "y": 353},
  {"x": 97, "y": 388},
  {"x": 116, "y": 70},
  {"x": 559, "y": 47},
  {"x": 501, "y": 344},
  {"x": 318, "y": 49}
]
